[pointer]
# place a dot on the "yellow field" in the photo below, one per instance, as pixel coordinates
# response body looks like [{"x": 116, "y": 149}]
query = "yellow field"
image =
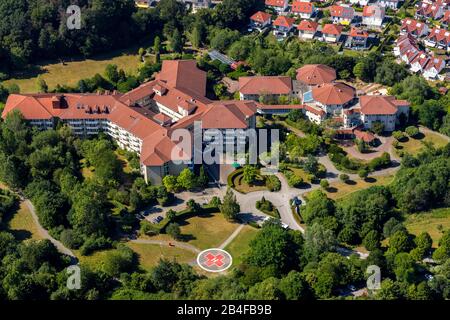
[
  {"x": 240, "y": 245},
  {"x": 71, "y": 72},
  {"x": 23, "y": 226},
  {"x": 429, "y": 222}
]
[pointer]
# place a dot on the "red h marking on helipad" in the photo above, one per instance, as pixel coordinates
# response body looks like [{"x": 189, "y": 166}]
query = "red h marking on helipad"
[{"x": 214, "y": 260}]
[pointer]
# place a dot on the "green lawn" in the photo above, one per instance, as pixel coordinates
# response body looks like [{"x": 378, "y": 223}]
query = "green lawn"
[
  {"x": 240, "y": 245},
  {"x": 414, "y": 146},
  {"x": 429, "y": 222},
  {"x": 72, "y": 71},
  {"x": 206, "y": 231},
  {"x": 150, "y": 254}
]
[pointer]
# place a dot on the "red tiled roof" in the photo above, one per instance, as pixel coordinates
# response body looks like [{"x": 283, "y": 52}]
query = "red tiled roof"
[
  {"x": 261, "y": 17},
  {"x": 446, "y": 17},
  {"x": 369, "y": 11},
  {"x": 316, "y": 111},
  {"x": 409, "y": 25},
  {"x": 228, "y": 115},
  {"x": 355, "y": 32},
  {"x": 183, "y": 74},
  {"x": 265, "y": 84},
  {"x": 333, "y": 29},
  {"x": 282, "y": 21},
  {"x": 386, "y": 105},
  {"x": 333, "y": 93},
  {"x": 306, "y": 25},
  {"x": 342, "y": 12},
  {"x": 313, "y": 74},
  {"x": 366, "y": 136},
  {"x": 275, "y": 3},
  {"x": 430, "y": 9},
  {"x": 439, "y": 35},
  {"x": 302, "y": 7}
]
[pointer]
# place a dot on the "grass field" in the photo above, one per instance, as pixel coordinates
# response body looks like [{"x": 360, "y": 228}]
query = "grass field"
[
  {"x": 206, "y": 231},
  {"x": 95, "y": 260},
  {"x": 72, "y": 71},
  {"x": 150, "y": 254},
  {"x": 341, "y": 189},
  {"x": 414, "y": 146},
  {"x": 23, "y": 226},
  {"x": 240, "y": 245},
  {"x": 429, "y": 222}
]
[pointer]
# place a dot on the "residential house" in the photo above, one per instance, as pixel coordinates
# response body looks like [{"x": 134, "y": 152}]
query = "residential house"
[
  {"x": 260, "y": 20},
  {"x": 433, "y": 10},
  {"x": 330, "y": 97},
  {"x": 373, "y": 16},
  {"x": 439, "y": 38},
  {"x": 200, "y": 4},
  {"x": 307, "y": 29},
  {"x": 278, "y": 5},
  {"x": 433, "y": 68},
  {"x": 264, "y": 88},
  {"x": 391, "y": 4},
  {"x": 358, "y": 39},
  {"x": 282, "y": 26},
  {"x": 445, "y": 21},
  {"x": 342, "y": 14},
  {"x": 384, "y": 109},
  {"x": 415, "y": 28},
  {"x": 419, "y": 62},
  {"x": 304, "y": 10},
  {"x": 332, "y": 32}
]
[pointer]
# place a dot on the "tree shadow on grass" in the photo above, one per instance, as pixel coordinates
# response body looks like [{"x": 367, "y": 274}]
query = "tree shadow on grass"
[
  {"x": 371, "y": 180},
  {"x": 186, "y": 237},
  {"x": 332, "y": 189},
  {"x": 350, "y": 182},
  {"x": 21, "y": 234}
]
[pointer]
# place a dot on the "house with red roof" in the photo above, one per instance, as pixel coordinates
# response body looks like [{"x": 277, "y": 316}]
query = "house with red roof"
[
  {"x": 384, "y": 109},
  {"x": 303, "y": 9},
  {"x": 260, "y": 20},
  {"x": 331, "y": 32},
  {"x": 358, "y": 39},
  {"x": 267, "y": 87},
  {"x": 373, "y": 16},
  {"x": 331, "y": 97},
  {"x": 419, "y": 62},
  {"x": 278, "y": 5},
  {"x": 433, "y": 68},
  {"x": 434, "y": 10},
  {"x": 445, "y": 21},
  {"x": 413, "y": 27},
  {"x": 439, "y": 38},
  {"x": 307, "y": 29},
  {"x": 342, "y": 14},
  {"x": 282, "y": 26}
]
